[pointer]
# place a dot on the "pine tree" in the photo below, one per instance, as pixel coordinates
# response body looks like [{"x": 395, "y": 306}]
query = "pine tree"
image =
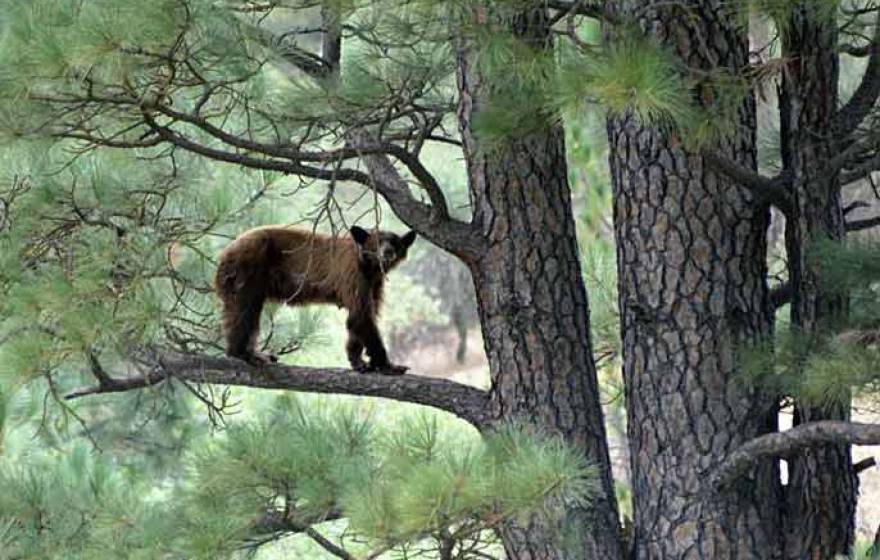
[{"x": 119, "y": 115}]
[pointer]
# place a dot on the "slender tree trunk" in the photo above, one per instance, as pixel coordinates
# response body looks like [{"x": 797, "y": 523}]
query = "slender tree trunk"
[
  {"x": 692, "y": 286},
  {"x": 533, "y": 305},
  {"x": 821, "y": 493}
]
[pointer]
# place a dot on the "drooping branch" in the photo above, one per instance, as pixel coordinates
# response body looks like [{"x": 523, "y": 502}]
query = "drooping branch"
[
  {"x": 464, "y": 401},
  {"x": 791, "y": 442},
  {"x": 766, "y": 189},
  {"x": 455, "y": 236},
  {"x": 252, "y": 161}
]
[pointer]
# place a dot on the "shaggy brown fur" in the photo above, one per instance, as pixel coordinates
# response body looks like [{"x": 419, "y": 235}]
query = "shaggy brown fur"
[{"x": 299, "y": 267}]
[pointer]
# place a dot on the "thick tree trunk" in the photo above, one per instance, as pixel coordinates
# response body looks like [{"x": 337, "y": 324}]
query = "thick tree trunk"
[
  {"x": 533, "y": 306},
  {"x": 821, "y": 493},
  {"x": 692, "y": 279}
]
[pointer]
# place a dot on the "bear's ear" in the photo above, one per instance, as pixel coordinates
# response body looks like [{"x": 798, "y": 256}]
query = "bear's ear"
[
  {"x": 360, "y": 235},
  {"x": 408, "y": 239}
]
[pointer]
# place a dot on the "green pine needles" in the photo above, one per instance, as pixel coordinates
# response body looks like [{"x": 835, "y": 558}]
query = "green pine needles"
[
  {"x": 298, "y": 467},
  {"x": 843, "y": 356}
]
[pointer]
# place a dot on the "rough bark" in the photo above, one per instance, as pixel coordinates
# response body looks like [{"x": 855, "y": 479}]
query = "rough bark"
[
  {"x": 533, "y": 304},
  {"x": 691, "y": 248},
  {"x": 821, "y": 492}
]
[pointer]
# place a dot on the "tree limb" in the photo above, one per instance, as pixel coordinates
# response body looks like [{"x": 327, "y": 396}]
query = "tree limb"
[
  {"x": 861, "y": 225},
  {"x": 770, "y": 190},
  {"x": 851, "y": 115},
  {"x": 596, "y": 11},
  {"x": 780, "y": 295},
  {"x": 327, "y": 545},
  {"x": 790, "y": 442},
  {"x": 432, "y": 221},
  {"x": 464, "y": 401},
  {"x": 457, "y": 237},
  {"x": 864, "y": 465}
]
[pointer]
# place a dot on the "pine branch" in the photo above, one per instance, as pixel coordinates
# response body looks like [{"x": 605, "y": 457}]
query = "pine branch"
[
  {"x": 173, "y": 137},
  {"x": 768, "y": 190},
  {"x": 791, "y": 442},
  {"x": 466, "y": 402},
  {"x": 432, "y": 221},
  {"x": 277, "y": 521}
]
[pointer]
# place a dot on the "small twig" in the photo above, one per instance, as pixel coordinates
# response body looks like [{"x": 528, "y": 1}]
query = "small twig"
[
  {"x": 324, "y": 543},
  {"x": 864, "y": 465}
]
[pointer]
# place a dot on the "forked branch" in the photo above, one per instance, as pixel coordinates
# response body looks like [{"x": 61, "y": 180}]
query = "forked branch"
[{"x": 767, "y": 190}]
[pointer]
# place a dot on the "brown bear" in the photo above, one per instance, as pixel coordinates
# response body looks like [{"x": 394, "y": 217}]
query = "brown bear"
[{"x": 300, "y": 267}]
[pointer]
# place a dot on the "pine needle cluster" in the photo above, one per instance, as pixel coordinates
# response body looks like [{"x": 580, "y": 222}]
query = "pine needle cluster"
[{"x": 295, "y": 468}]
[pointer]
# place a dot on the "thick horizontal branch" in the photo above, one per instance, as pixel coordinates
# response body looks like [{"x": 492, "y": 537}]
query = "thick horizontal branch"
[
  {"x": 766, "y": 189},
  {"x": 791, "y": 442},
  {"x": 464, "y": 401}
]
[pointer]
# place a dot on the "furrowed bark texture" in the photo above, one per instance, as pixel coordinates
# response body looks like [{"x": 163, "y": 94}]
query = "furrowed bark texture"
[
  {"x": 692, "y": 286},
  {"x": 533, "y": 304},
  {"x": 821, "y": 492}
]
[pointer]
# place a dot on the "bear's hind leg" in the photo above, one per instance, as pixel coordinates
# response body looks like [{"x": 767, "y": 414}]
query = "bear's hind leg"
[
  {"x": 241, "y": 321},
  {"x": 354, "y": 348}
]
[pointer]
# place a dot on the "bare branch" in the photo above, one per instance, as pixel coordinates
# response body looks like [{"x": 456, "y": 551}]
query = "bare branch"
[
  {"x": 453, "y": 235},
  {"x": 592, "y": 10},
  {"x": 851, "y": 115},
  {"x": 791, "y": 442},
  {"x": 327, "y": 545},
  {"x": 864, "y": 465},
  {"x": 855, "y": 205},
  {"x": 861, "y": 225},
  {"x": 769, "y": 190},
  {"x": 857, "y": 51},
  {"x": 464, "y": 401},
  {"x": 253, "y": 161},
  {"x": 113, "y": 385},
  {"x": 427, "y": 180}
]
